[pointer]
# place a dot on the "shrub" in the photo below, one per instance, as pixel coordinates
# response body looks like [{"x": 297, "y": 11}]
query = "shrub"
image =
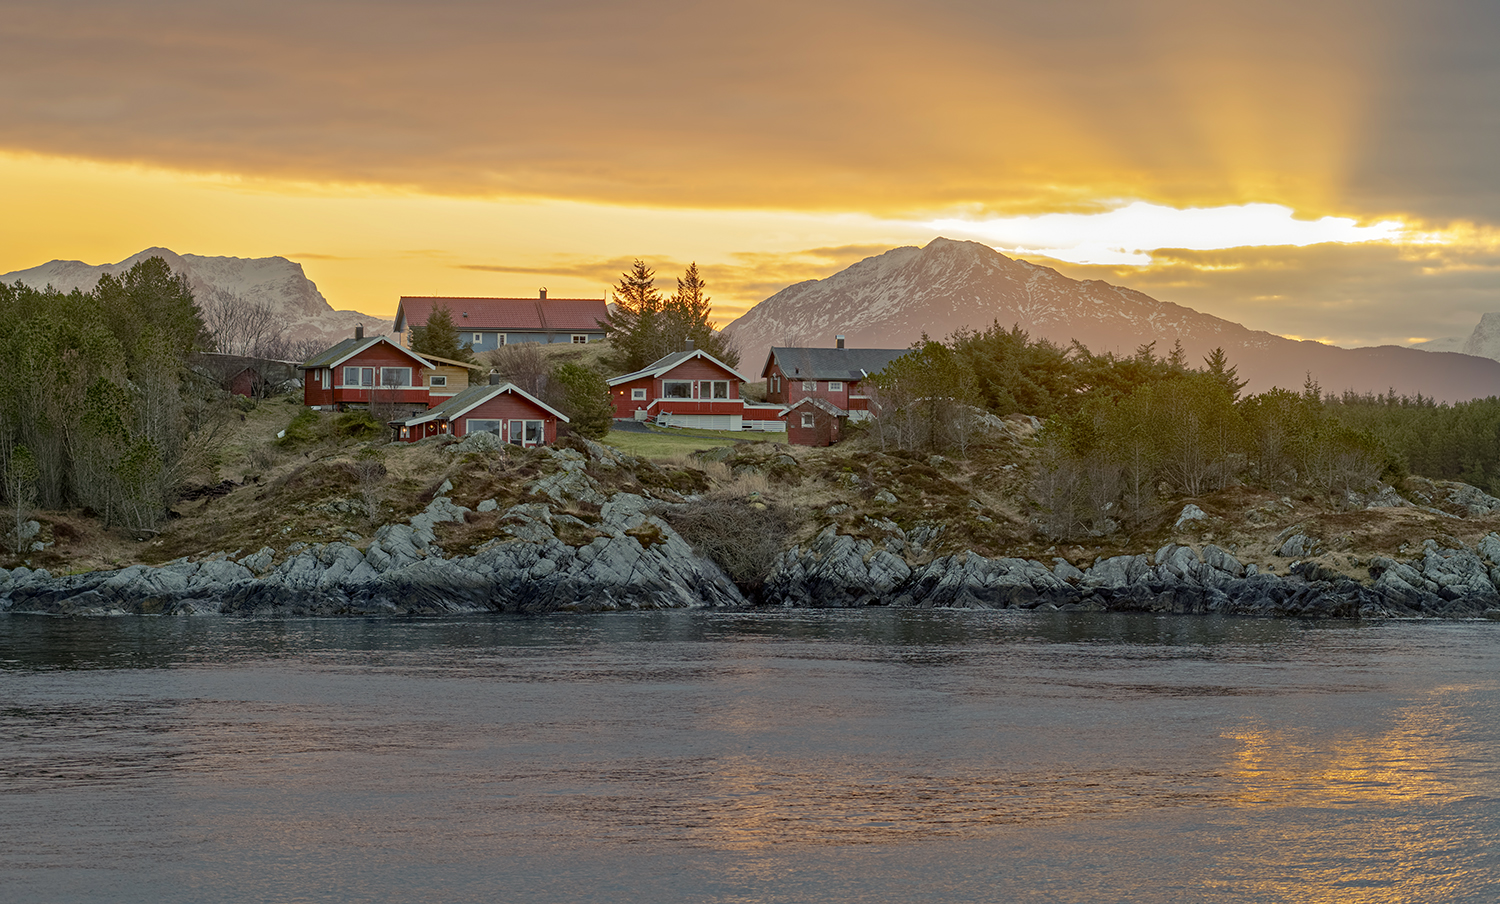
[{"x": 743, "y": 537}]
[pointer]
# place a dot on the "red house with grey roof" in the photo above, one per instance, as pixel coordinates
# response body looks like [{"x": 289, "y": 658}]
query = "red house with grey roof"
[
  {"x": 690, "y": 389},
  {"x": 504, "y": 409},
  {"x": 485, "y": 324},
  {"x": 359, "y": 372}
]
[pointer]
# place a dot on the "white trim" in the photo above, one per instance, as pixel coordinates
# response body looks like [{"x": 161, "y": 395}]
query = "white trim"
[
  {"x": 438, "y": 380},
  {"x": 638, "y": 394},
  {"x": 580, "y": 339},
  {"x": 835, "y": 386}
]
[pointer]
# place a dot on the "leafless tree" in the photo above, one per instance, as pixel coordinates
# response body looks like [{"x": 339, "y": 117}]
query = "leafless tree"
[
  {"x": 524, "y": 365},
  {"x": 241, "y": 326}
]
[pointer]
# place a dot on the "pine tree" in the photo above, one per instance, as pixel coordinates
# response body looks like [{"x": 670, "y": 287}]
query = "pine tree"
[
  {"x": 585, "y": 400},
  {"x": 439, "y": 337},
  {"x": 632, "y": 325},
  {"x": 1228, "y": 375}
]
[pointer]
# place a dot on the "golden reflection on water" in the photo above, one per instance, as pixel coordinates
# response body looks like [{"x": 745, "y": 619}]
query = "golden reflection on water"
[{"x": 1368, "y": 781}]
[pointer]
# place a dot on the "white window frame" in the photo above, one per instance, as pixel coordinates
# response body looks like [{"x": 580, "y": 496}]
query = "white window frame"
[
  {"x": 580, "y": 339},
  {"x": 473, "y": 425},
  {"x": 666, "y": 392},
  {"x": 638, "y": 394},
  {"x": 808, "y": 420},
  {"x": 709, "y": 389},
  {"x": 809, "y": 385},
  {"x": 518, "y": 429},
  {"x": 835, "y": 386},
  {"x": 402, "y": 375},
  {"x": 364, "y": 377},
  {"x": 437, "y": 380},
  {"x": 499, "y": 338},
  {"x": 478, "y": 339},
  {"x": 327, "y": 377}
]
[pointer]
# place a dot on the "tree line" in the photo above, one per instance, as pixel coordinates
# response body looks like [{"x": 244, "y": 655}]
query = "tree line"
[
  {"x": 1124, "y": 433},
  {"x": 98, "y": 405}
]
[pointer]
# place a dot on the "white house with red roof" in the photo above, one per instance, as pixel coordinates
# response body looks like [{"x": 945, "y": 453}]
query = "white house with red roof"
[{"x": 485, "y": 324}]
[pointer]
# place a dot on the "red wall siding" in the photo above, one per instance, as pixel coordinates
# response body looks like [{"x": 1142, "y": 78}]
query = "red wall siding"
[
  {"x": 508, "y": 406},
  {"x": 620, "y": 395},
  {"x": 824, "y": 432},
  {"x": 378, "y": 356},
  {"x": 313, "y": 393}
]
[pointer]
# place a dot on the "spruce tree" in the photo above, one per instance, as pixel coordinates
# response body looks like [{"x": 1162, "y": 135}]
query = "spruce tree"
[{"x": 439, "y": 337}]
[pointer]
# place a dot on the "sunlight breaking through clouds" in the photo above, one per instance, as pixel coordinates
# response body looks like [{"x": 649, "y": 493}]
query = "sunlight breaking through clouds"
[{"x": 1127, "y": 235}]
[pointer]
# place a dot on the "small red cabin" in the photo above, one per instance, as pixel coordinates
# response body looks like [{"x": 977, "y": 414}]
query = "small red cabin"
[
  {"x": 360, "y": 372},
  {"x": 504, "y": 409},
  {"x": 814, "y": 422}
]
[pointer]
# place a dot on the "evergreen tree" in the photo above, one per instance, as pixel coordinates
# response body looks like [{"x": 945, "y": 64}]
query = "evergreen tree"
[
  {"x": 585, "y": 400},
  {"x": 439, "y": 337},
  {"x": 1221, "y": 370},
  {"x": 645, "y": 327}
]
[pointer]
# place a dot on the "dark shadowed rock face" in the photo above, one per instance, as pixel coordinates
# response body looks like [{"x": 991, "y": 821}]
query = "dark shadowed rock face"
[{"x": 890, "y": 300}]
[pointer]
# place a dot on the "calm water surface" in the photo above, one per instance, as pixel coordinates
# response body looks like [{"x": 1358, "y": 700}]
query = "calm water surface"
[{"x": 802, "y": 756}]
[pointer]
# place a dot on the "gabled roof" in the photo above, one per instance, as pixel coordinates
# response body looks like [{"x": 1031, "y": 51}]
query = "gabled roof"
[
  {"x": 831, "y": 363},
  {"x": 347, "y": 349},
  {"x": 668, "y": 362},
  {"x": 560, "y": 315},
  {"x": 472, "y": 398},
  {"x": 815, "y": 402}
]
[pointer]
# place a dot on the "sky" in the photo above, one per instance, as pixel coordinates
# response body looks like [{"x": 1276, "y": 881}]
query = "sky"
[{"x": 1320, "y": 170}]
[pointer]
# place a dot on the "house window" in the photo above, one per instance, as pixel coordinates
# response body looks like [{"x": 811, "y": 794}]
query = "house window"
[
  {"x": 677, "y": 389},
  {"x": 580, "y": 340},
  {"x": 835, "y": 386},
  {"x": 478, "y": 338},
  {"x": 359, "y": 376},
  {"x": 713, "y": 389},
  {"x": 526, "y": 433},
  {"x": 480, "y": 425},
  {"x": 809, "y": 385},
  {"x": 638, "y": 395},
  {"x": 807, "y": 419},
  {"x": 499, "y": 338},
  {"x": 395, "y": 376},
  {"x": 437, "y": 380},
  {"x": 327, "y": 376},
  {"x": 775, "y": 382}
]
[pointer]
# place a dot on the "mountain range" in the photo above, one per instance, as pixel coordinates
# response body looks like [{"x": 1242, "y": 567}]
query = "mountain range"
[
  {"x": 307, "y": 319},
  {"x": 892, "y": 299}
]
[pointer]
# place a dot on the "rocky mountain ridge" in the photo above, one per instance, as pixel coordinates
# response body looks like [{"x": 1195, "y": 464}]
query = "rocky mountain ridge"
[
  {"x": 276, "y": 282},
  {"x": 890, "y": 300}
]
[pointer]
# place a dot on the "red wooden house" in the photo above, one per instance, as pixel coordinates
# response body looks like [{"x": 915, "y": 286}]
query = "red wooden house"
[
  {"x": 814, "y": 422},
  {"x": 836, "y": 375},
  {"x": 690, "y": 389},
  {"x": 359, "y": 372},
  {"x": 503, "y": 409}
]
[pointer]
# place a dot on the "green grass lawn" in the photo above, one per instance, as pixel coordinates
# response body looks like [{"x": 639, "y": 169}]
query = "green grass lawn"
[{"x": 667, "y": 443}]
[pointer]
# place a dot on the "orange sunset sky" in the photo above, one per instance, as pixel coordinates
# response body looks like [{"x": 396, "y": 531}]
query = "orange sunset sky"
[{"x": 1317, "y": 169}]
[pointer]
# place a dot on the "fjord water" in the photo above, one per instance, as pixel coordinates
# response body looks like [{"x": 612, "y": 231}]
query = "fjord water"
[{"x": 848, "y": 756}]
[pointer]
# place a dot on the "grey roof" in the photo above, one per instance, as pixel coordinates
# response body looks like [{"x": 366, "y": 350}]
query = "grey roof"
[
  {"x": 816, "y": 402},
  {"x": 350, "y": 347},
  {"x": 831, "y": 363},
  {"x": 667, "y": 362},
  {"x": 471, "y": 398}
]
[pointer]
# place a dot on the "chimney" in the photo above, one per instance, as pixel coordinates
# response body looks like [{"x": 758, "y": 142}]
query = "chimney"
[
  {"x": 839, "y": 341},
  {"x": 690, "y": 345},
  {"x": 359, "y": 331},
  {"x": 494, "y": 379},
  {"x": 544, "y": 293}
]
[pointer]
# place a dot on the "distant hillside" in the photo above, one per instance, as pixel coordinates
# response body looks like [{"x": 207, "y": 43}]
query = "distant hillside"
[
  {"x": 276, "y": 282},
  {"x": 890, "y": 300}
]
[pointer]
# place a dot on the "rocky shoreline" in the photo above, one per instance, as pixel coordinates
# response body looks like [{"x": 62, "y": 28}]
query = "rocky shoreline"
[{"x": 635, "y": 560}]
